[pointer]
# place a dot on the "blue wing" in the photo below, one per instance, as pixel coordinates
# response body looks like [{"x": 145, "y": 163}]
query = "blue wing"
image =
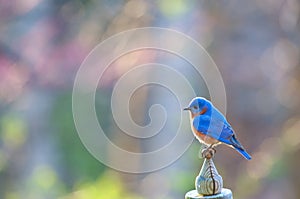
[{"x": 215, "y": 126}]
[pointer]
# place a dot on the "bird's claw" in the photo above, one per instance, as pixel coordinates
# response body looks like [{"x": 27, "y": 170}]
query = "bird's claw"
[{"x": 208, "y": 153}]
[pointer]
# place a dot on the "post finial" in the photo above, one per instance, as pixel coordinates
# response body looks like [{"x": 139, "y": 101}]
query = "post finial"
[{"x": 209, "y": 184}]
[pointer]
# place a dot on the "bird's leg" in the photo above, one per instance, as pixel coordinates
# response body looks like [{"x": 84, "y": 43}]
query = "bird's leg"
[
  {"x": 211, "y": 147},
  {"x": 208, "y": 152}
]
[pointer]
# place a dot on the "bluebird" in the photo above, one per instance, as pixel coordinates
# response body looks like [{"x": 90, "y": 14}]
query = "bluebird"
[{"x": 210, "y": 126}]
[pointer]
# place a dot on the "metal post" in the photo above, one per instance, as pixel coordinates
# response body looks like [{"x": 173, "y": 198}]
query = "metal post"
[{"x": 209, "y": 184}]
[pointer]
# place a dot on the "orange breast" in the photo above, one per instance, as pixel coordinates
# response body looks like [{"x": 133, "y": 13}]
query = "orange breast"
[{"x": 206, "y": 139}]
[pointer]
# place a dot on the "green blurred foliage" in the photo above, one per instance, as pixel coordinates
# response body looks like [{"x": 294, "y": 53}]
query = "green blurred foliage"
[
  {"x": 107, "y": 186},
  {"x": 79, "y": 164}
]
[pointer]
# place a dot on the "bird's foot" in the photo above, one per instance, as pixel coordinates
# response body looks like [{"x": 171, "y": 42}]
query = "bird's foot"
[{"x": 208, "y": 153}]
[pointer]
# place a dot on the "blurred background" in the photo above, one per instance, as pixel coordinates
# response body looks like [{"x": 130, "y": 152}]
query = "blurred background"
[{"x": 255, "y": 44}]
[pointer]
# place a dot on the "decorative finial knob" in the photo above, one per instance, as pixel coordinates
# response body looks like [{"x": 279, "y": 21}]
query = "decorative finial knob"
[{"x": 208, "y": 182}]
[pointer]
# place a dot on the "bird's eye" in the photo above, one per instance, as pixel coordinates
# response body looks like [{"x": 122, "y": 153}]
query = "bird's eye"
[{"x": 195, "y": 107}]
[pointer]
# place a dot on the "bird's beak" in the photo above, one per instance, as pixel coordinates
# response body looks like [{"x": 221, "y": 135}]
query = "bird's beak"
[{"x": 187, "y": 109}]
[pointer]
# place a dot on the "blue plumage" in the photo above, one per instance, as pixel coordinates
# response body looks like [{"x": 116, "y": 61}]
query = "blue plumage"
[{"x": 211, "y": 127}]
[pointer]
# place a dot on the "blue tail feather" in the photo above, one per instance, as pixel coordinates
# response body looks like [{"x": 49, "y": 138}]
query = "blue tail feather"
[
  {"x": 243, "y": 152},
  {"x": 237, "y": 146}
]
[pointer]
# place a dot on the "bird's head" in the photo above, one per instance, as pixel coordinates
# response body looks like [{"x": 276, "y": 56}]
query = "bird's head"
[{"x": 198, "y": 106}]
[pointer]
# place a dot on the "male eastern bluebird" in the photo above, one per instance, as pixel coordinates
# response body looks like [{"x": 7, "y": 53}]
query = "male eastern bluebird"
[{"x": 210, "y": 127}]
